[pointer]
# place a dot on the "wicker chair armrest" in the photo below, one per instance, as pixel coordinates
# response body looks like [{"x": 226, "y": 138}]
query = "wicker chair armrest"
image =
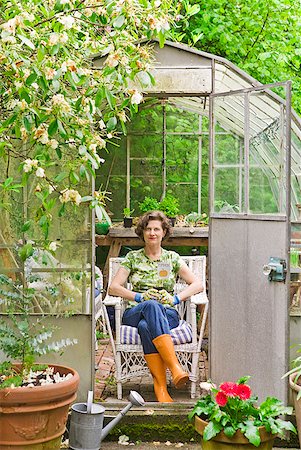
[
  {"x": 110, "y": 300},
  {"x": 200, "y": 299}
]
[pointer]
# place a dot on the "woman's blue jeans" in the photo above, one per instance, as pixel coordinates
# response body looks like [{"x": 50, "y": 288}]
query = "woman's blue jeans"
[{"x": 152, "y": 320}]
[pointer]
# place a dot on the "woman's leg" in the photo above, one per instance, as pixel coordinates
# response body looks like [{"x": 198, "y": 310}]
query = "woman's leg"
[{"x": 151, "y": 319}]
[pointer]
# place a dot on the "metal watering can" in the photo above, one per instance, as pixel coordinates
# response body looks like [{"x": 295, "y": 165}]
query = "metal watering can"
[{"x": 86, "y": 424}]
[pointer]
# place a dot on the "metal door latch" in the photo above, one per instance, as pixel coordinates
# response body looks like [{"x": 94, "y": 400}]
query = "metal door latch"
[{"x": 275, "y": 270}]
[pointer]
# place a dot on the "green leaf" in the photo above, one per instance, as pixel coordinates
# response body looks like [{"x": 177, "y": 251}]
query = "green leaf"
[
  {"x": 252, "y": 434},
  {"x": 53, "y": 127},
  {"x": 111, "y": 123},
  {"x": 211, "y": 430},
  {"x": 193, "y": 9},
  {"x": 26, "y": 226},
  {"x": 25, "y": 252},
  {"x": 26, "y": 41},
  {"x": 60, "y": 177},
  {"x": 74, "y": 178},
  {"x": 61, "y": 129},
  {"x": 62, "y": 210},
  {"x": 56, "y": 85},
  {"x": 110, "y": 97},
  {"x": 118, "y": 22},
  {"x": 23, "y": 94},
  {"x": 99, "y": 97},
  {"x": 32, "y": 77},
  {"x": 26, "y": 123}
]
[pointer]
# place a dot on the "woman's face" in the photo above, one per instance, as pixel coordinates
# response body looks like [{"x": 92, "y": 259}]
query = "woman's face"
[{"x": 153, "y": 232}]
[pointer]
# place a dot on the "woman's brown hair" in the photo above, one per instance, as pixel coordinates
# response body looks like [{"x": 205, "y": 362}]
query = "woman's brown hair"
[{"x": 153, "y": 215}]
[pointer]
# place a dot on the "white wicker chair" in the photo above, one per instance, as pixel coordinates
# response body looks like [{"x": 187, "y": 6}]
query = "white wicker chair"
[{"x": 129, "y": 358}]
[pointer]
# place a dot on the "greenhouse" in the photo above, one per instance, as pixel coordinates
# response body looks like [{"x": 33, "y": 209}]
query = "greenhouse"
[{"x": 227, "y": 146}]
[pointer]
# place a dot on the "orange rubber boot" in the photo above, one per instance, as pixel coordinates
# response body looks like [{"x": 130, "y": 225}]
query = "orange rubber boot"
[
  {"x": 157, "y": 368},
  {"x": 165, "y": 347}
]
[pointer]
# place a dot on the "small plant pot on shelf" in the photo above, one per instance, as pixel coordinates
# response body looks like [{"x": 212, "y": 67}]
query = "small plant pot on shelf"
[
  {"x": 237, "y": 442},
  {"x": 34, "y": 418},
  {"x": 172, "y": 221},
  {"x": 102, "y": 227},
  {"x": 127, "y": 222}
]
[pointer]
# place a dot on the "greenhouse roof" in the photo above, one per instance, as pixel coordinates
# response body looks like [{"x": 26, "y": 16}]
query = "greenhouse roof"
[{"x": 187, "y": 76}]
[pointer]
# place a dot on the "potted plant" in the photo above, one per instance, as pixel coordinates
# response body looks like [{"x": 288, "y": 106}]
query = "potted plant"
[
  {"x": 170, "y": 206},
  {"x": 34, "y": 398},
  {"x": 231, "y": 415},
  {"x": 295, "y": 384},
  {"x": 149, "y": 204},
  {"x": 193, "y": 219},
  {"x": 127, "y": 217}
]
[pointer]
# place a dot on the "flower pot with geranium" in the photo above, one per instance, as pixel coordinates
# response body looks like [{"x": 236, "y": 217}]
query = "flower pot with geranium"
[{"x": 230, "y": 417}]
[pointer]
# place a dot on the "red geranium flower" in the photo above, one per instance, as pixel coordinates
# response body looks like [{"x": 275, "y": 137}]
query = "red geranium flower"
[
  {"x": 243, "y": 391},
  {"x": 229, "y": 388},
  {"x": 221, "y": 398}
]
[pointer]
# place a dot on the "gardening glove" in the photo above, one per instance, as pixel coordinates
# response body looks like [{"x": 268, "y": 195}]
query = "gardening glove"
[
  {"x": 176, "y": 300},
  {"x": 152, "y": 294},
  {"x": 166, "y": 298},
  {"x": 139, "y": 297}
]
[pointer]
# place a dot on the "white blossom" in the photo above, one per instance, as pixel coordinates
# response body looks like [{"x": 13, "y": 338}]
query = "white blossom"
[
  {"x": 41, "y": 134},
  {"x": 136, "y": 98},
  {"x": 101, "y": 124},
  {"x": 60, "y": 101},
  {"x": 49, "y": 73},
  {"x": 53, "y": 246},
  {"x": 112, "y": 60},
  {"x": 29, "y": 164},
  {"x": 53, "y": 143},
  {"x": 40, "y": 173},
  {"x": 67, "y": 21},
  {"x": 70, "y": 195}
]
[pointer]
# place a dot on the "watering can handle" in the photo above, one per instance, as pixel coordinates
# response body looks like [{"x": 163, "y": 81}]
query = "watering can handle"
[{"x": 89, "y": 402}]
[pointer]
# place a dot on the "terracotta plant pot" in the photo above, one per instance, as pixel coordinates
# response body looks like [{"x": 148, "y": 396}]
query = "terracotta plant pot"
[
  {"x": 297, "y": 403},
  {"x": 237, "y": 442},
  {"x": 34, "y": 418}
]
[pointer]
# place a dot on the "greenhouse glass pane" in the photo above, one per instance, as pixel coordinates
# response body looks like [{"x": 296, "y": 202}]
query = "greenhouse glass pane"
[
  {"x": 187, "y": 193},
  {"x": 179, "y": 120},
  {"x": 261, "y": 196},
  {"x": 182, "y": 159},
  {"x": 226, "y": 189},
  {"x": 267, "y": 155},
  {"x": 149, "y": 119},
  {"x": 146, "y": 146}
]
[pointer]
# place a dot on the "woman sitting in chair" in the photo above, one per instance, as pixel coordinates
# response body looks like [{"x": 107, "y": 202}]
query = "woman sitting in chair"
[{"x": 152, "y": 272}]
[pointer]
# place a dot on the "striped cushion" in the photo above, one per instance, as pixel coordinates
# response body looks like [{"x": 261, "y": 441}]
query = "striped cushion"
[{"x": 180, "y": 335}]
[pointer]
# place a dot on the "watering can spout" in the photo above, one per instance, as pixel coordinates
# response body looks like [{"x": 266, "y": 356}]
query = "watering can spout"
[{"x": 135, "y": 400}]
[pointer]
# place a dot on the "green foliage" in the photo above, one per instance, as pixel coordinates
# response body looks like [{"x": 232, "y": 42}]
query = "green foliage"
[
  {"x": 232, "y": 407},
  {"x": 22, "y": 338},
  {"x": 262, "y": 38},
  {"x": 149, "y": 204},
  {"x": 58, "y": 112},
  {"x": 127, "y": 212},
  {"x": 169, "y": 205}
]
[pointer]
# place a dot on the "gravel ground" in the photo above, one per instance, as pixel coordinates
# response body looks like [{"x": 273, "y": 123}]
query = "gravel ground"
[{"x": 159, "y": 446}]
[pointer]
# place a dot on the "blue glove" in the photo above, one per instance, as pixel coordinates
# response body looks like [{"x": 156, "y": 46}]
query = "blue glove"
[
  {"x": 138, "y": 297},
  {"x": 176, "y": 300}
]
